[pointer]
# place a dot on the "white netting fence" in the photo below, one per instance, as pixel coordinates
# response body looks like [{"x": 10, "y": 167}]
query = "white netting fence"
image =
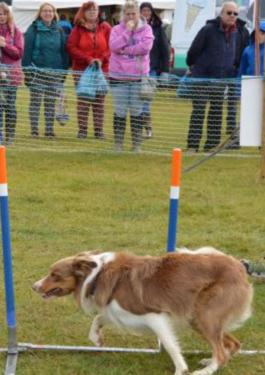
[{"x": 197, "y": 115}]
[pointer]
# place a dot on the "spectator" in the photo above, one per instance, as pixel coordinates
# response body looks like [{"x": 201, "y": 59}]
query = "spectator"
[
  {"x": 242, "y": 40},
  {"x": 212, "y": 55},
  {"x": 65, "y": 24},
  {"x": 159, "y": 56},
  {"x": 130, "y": 44},
  {"x": 115, "y": 15},
  {"x": 247, "y": 63},
  {"x": 11, "y": 51},
  {"x": 89, "y": 43},
  {"x": 44, "y": 49}
]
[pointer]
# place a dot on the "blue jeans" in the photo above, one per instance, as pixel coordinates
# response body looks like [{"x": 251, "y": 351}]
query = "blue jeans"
[
  {"x": 147, "y": 105},
  {"x": 126, "y": 97}
]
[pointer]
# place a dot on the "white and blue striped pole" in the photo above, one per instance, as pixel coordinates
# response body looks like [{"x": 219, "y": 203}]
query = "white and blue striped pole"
[
  {"x": 7, "y": 259},
  {"x": 174, "y": 200}
]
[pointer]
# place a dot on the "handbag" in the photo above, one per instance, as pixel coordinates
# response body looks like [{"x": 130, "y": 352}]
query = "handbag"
[
  {"x": 148, "y": 84},
  {"x": 92, "y": 82},
  {"x": 148, "y": 88},
  {"x": 185, "y": 87}
]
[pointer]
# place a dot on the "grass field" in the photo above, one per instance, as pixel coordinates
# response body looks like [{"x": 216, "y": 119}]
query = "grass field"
[{"x": 62, "y": 203}]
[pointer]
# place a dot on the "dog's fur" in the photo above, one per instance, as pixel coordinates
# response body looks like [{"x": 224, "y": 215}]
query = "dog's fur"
[{"x": 205, "y": 288}]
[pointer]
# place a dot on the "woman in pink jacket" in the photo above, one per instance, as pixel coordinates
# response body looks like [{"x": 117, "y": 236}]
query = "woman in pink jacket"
[
  {"x": 130, "y": 45},
  {"x": 11, "y": 51}
]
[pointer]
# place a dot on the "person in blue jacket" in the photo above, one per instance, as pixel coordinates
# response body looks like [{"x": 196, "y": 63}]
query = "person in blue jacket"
[
  {"x": 212, "y": 58},
  {"x": 44, "y": 55},
  {"x": 247, "y": 63}
]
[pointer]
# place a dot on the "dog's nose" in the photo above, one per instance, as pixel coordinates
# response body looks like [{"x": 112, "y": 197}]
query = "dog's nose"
[{"x": 36, "y": 286}]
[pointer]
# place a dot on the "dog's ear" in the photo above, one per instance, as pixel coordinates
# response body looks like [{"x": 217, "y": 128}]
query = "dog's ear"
[{"x": 82, "y": 267}]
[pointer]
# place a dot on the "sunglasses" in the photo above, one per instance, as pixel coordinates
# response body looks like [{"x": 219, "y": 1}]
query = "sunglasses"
[{"x": 230, "y": 13}]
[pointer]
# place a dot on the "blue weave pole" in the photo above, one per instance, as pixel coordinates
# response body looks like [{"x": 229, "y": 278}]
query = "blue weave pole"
[
  {"x": 7, "y": 260},
  {"x": 174, "y": 200}
]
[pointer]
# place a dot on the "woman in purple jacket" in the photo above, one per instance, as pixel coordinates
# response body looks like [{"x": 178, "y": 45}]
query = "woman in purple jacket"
[
  {"x": 11, "y": 51},
  {"x": 130, "y": 44}
]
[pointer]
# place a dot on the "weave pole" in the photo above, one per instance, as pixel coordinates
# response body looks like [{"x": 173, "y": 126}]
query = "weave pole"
[
  {"x": 174, "y": 200},
  {"x": 12, "y": 350}
]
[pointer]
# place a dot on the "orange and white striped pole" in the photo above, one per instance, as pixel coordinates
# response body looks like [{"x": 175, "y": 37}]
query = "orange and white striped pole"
[
  {"x": 7, "y": 257},
  {"x": 174, "y": 200}
]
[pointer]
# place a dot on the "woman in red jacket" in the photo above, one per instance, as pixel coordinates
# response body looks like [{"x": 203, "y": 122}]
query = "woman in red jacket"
[{"x": 87, "y": 43}]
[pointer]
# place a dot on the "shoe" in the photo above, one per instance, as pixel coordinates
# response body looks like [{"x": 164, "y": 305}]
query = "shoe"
[
  {"x": 9, "y": 141},
  {"x": 149, "y": 133},
  {"x": 49, "y": 135},
  {"x": 118, "y": 148},
  {"x": 99, "y": 135},
  {"x": 207, "y": 148},
  {"x": 81, "y": 135},
  {"x": 136, "y": 149},
  {"x": 192, "y": 149},
  {"x": 234, "y": 145}
]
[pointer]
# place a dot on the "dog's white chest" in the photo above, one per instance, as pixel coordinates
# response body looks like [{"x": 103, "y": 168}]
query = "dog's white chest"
[{"x": 120, "y": 317}]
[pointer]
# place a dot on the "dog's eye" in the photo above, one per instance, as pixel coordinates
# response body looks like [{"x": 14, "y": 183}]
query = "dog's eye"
[{"x": 55, "y": 276}]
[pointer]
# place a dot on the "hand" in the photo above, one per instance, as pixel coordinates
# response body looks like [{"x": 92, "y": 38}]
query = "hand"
[
  {"x": 130, "y": 25},
  {"x": 97, "y": 62},
  {"x": 2, "y": 41}
]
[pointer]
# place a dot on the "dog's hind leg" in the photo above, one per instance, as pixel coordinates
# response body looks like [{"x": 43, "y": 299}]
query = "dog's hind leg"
[
  {"x": 231, "y": 343},
  {"x": 95, "y": 334},
  {"x": 161, "y": 326}
]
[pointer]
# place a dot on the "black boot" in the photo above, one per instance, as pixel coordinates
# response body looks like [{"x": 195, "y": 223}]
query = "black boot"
[
  {"x": 119, "y": 124},
  {"x": 136, "y": 131}
]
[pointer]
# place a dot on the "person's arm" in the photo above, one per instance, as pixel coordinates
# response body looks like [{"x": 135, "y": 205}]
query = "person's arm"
[
  {"x": 197, "y": 46},
  {"x": 74, "y": 51},
  {"x": 106, "y": 55},
  {"x": 15, "y": 50},
  {"x": 143, "y": 47},
  {"x": 164, "y": 52},
  {"x": 29, "y": 39},
  {"x": 119, "y": 39},
  {"x": 244, "y": 63}
]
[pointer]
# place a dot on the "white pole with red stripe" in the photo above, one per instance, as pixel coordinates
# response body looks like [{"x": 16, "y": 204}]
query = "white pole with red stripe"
[{"x": 174, "y": 200}]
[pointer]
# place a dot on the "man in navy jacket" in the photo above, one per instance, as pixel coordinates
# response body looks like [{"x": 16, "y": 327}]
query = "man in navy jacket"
[{"x": 214, "y": 55}]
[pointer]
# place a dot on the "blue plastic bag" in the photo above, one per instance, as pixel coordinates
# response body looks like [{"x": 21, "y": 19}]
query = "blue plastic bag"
[
  {"x": 92, "y": 83},
  {"x": 185, "y": 87}
]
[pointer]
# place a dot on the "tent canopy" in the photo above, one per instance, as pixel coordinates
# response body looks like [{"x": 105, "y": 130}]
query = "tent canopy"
[{"x": 25, "y": 10}]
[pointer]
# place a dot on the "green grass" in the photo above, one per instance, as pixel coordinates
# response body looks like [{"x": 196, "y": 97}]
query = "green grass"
[{"x": 61, "y": 204}]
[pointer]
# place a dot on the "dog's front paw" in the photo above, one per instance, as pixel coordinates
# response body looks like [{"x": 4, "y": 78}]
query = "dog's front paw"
[
  {"x": 205, "y": 361},
  {"x": 96, "y": 338},
  {"x": 179, "y": 372},
  {"x": 204, "y": 371}
]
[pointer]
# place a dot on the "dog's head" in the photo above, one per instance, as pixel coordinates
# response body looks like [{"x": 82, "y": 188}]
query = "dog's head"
[{"x": 66, "y": 275}]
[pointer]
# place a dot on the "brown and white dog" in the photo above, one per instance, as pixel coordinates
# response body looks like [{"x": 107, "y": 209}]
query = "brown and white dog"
[{"x": 205, "y": 288}]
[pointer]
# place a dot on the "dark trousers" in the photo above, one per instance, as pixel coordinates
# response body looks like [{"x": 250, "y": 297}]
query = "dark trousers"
[
  {"x": 8, "y": 96},
  {"x": 47, "y": 94},
  {"x": 232, "y": 100},
  {"x": 83, "y": 105},
  {"x": 214, "y": 94}
]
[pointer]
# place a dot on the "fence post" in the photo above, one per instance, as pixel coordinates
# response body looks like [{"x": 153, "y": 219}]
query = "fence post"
[
  {"x": 174, "y": 200},
  {"x": 8, "y": 275}
]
